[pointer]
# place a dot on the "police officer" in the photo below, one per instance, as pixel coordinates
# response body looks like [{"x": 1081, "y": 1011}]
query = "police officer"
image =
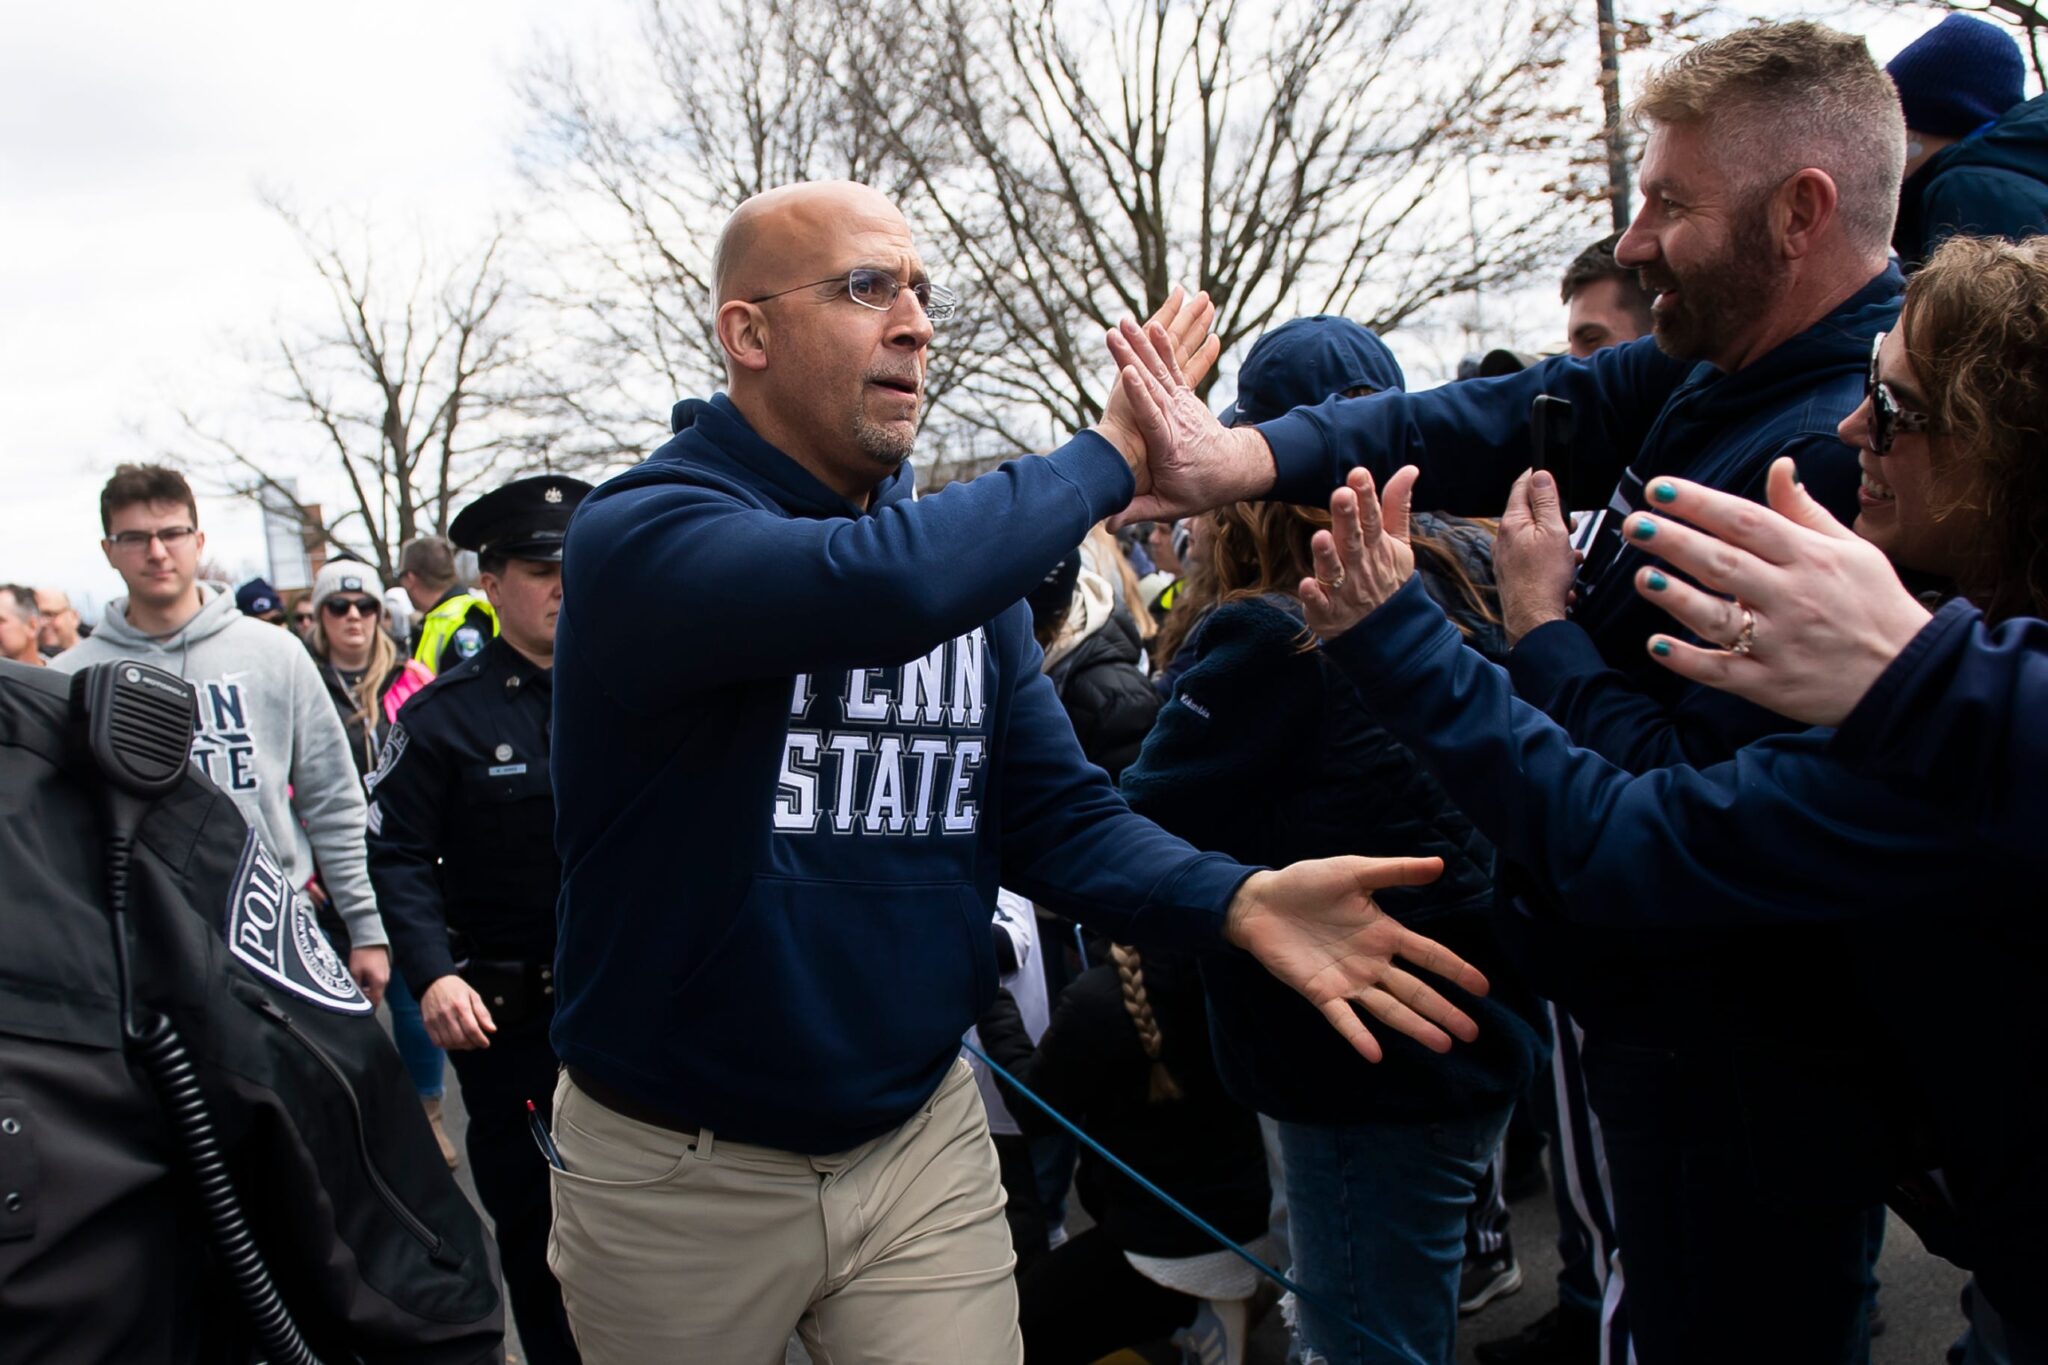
[
  {"x": 463, "y": 856},
  {"x": 454, "y": 622}
]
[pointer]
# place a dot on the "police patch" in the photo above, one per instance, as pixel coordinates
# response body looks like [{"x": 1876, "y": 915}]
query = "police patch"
[
  {"x": 387, "y": 759},
  {"x": 272, "y": 929},
  {"x": 468, "y": 642}
]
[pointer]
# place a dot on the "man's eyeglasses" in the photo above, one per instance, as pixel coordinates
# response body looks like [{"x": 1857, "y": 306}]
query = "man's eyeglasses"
[
  {"x": 130, "y": 542},
  {"x": 1888, "y": 420},
  {"x": 877, "y": 289},
  {"x": 338, "y": 607}
]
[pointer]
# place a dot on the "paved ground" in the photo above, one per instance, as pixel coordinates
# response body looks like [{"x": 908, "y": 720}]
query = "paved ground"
[{"x": 1918, "y": 1297}]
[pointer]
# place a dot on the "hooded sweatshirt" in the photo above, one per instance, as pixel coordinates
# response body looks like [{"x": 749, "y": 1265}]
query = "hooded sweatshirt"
[
  {"x": 798, "y": 745},
  {"x": 267, "y": 735},
  {"x": 1638, "y": 413},
  {"x": 1994, "y": 183}
]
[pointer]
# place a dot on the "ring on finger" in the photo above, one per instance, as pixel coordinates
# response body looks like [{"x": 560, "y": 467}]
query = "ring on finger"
[
  {"x": 1745, "y": 639},
  {"x": 1331, "y": 584}
]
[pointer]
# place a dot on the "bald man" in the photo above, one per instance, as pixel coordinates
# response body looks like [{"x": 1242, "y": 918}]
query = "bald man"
[{"x": 801, "y": 735}]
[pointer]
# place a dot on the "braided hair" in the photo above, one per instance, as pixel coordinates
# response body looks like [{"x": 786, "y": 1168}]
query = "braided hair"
[{"x": 1130, "y": 970}]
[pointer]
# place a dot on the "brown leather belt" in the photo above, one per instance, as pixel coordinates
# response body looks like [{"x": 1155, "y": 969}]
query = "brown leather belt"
[{"x": 626, "y": 1105}]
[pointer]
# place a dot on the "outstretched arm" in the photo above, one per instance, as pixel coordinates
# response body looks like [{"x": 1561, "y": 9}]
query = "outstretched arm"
[{"x": 1776, "y": 834}]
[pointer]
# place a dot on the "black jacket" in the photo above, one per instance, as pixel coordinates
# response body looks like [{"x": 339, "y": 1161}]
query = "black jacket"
[
  {"x": 462, "y": 819},
  {"x": 1266, "y": 753},
  {"x": 1203, "y": 1149},
  {"x": 375, "y": 1250},
  {"x": 1106, "y": 693}
]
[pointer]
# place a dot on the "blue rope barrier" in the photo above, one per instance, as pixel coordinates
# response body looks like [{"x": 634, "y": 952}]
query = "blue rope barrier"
[{"x": 1207, "y": 1229}]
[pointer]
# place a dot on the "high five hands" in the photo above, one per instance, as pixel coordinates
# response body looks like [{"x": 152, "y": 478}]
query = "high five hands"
[
  {"x": 1315, "y": 926},
  {"x": 1185, "y": 460}
]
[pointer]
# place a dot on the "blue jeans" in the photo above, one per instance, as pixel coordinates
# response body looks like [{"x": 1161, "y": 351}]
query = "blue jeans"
[
  {"x": 423, "y": 1061},
  {"x": 1376, "y": 1224}
]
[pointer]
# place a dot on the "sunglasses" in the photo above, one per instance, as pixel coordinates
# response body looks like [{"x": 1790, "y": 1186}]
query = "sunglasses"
[
  {"x": 338, "y": 607},
  {"x": 1888, "y": 420}
]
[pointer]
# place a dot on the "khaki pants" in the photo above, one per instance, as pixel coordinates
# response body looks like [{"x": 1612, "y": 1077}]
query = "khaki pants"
[{"x": 697, "y": 1250}]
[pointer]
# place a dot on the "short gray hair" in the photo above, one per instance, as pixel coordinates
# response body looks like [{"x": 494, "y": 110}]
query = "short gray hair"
[
  {"x": 23, "y": 600},
  {"x": 1776, "y": 98}
]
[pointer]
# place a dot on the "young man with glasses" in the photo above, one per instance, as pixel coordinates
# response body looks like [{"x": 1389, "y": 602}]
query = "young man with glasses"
[{"x": 265, "y": 731}]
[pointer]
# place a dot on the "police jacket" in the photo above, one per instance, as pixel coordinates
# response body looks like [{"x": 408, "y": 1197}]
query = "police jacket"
[
  {"x": 454, "y": 629},
  {"x": 374, "y": 1249},
  {"x": 462, "y": 819}
]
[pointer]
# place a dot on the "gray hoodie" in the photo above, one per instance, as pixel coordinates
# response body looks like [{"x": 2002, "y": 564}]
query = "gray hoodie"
[{"x": 267, "y": 735}]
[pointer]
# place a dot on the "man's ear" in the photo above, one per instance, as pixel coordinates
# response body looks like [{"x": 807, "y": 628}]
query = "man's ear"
[
  {"x": 107, "y": 549},
  {"x": 743, "y": 333},
  {"x": 1802, "y": 210}
]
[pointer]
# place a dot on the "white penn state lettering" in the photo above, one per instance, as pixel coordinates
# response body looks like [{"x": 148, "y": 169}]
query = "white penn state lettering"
[
  {"x": 886, "y": 813},
  {"x": 796, "y": 791},
  {"x": 929, "y": 752},
  {"x": 969, "y": 676},
  {"x": 849, "y": 746},
  {"x": 962, "y": 814},
  {"x": 919, "y": 698},
  {"x": 884, "y": 778},
  {"x": 864, "y": 700}
]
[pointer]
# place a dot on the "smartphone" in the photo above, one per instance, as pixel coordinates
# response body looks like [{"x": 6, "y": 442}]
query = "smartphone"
[{"x": 1550, "y": 439}]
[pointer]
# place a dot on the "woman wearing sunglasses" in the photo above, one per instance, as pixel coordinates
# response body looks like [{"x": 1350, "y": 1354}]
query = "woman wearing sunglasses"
[
  {"x": 368, "y": 679},
  {"x": 1912, "y": 856}
]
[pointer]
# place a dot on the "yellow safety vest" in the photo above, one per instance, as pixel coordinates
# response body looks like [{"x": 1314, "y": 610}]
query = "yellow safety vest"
[{"x": 441, "y": 623}]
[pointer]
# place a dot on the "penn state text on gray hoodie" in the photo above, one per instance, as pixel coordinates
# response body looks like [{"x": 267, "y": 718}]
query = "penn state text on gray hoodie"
[
  {"x": 268, "y": 736},
  {"x": 798, "y": 745}
]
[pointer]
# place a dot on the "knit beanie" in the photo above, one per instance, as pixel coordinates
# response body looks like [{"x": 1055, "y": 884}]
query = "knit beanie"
[
  {"x": 1958, "y": 76},
  {"x": 346, "y": 575}
]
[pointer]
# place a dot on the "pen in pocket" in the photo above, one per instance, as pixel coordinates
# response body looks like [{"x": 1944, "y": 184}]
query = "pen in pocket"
[{"x": 541, "y": 1138}]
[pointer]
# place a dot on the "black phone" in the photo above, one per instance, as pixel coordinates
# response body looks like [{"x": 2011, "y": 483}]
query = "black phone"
[{"x": 1550, "y": 438}]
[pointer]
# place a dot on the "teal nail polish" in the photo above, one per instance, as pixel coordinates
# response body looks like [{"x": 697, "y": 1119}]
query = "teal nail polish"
[
  {"x": 1644, "y": 530},
  {"x": 1658, "y": 582},
  {"x": 1660, "y": 648},
  {"x": 1665, "y": 492}
]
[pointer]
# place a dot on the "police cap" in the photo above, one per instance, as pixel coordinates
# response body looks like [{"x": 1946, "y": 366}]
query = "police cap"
[{"x": 525, "y": 519}]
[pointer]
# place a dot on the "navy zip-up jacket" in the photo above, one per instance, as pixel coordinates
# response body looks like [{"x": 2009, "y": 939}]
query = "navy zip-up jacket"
[
  {"x": 798, "y": 745},
  {"x": 1638, "y": 414},
  {"x": 1994, "y": 183},
  {"x": 1917, "y": 823}
]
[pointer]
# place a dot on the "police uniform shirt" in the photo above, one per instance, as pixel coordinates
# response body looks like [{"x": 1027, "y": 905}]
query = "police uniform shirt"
[{"x": 462, "y": 819}]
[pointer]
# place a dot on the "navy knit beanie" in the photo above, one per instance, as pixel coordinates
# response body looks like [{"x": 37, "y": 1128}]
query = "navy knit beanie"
[{"x": 1958, "y": 76}]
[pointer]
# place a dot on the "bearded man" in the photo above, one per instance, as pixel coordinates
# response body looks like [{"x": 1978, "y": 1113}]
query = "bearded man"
[{"x": 1770, "y": 177}]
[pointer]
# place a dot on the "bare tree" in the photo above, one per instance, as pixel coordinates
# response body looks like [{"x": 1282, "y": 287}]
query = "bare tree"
[
  {"x": 414, "y": 393},
  {"x": 1067, "y": 165}
]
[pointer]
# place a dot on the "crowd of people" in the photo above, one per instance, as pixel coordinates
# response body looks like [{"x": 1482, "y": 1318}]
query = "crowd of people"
[{"x": 1349, "y": 808}]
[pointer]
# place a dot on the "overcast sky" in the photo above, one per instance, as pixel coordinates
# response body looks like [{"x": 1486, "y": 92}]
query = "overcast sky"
[{"x": 137, "y": 265}]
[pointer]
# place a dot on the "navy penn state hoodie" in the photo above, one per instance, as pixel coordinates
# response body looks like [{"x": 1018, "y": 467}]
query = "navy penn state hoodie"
[{"x": 798, "y": 744}]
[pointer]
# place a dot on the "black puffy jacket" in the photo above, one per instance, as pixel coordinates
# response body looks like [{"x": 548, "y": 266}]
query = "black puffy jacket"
[
  {"x": 1107, "y": 695},
  {"x": 1266, "y": 753},
  {"x": 374, "y": 1248}
]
